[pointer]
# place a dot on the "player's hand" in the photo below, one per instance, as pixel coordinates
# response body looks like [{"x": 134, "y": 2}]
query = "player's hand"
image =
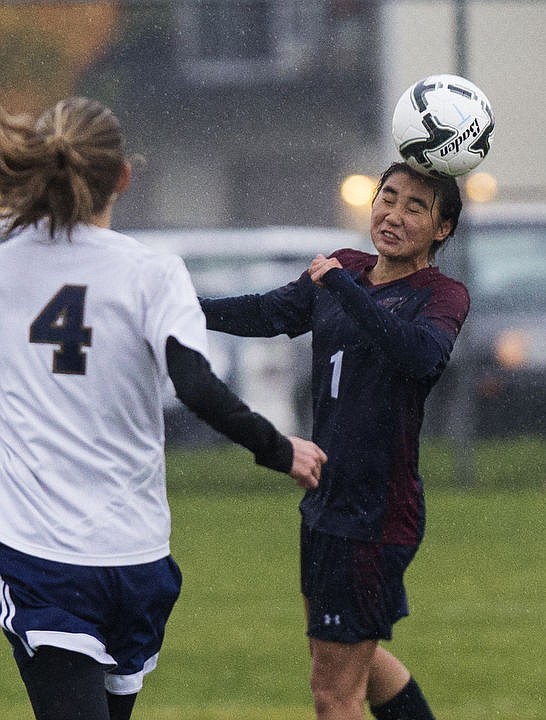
[
  {"x": 320, "y": 266},
  {"x": 307, "y": 462}
]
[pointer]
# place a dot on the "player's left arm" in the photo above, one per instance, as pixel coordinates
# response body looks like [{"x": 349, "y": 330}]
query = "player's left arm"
[
  {"x": 211, "y": 400},
  {"x": 419, "y": 346}
]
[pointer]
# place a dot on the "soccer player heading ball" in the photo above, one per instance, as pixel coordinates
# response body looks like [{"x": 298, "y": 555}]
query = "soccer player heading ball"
[
  {"x": 92, "y": 325},
  {"x": 383, "y": 329}
]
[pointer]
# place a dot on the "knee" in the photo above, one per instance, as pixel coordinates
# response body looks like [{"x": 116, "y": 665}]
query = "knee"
[{"x": 330, "y": 698}]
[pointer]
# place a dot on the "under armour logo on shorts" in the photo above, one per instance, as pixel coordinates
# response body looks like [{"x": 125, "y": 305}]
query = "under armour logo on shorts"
[{"x": 328, "y": 620}]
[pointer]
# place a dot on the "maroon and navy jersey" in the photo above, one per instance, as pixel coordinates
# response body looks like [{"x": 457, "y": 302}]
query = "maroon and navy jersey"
[{"x": 377, "y": 352}]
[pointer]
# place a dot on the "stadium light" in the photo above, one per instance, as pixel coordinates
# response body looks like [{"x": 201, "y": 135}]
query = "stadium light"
[
  {"x": 512, "y": 348},
  {"x": 357, "y": 190},
  {"x": 481, "y": 187}
]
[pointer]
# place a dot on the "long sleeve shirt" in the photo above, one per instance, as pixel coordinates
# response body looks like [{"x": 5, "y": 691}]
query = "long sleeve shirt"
[{"x": 377, "y": 352}]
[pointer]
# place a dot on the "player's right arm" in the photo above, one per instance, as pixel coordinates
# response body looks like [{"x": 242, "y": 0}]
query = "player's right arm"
[
  {"x": 211, "y": 400},
  {"x": 286, "y": 310}
]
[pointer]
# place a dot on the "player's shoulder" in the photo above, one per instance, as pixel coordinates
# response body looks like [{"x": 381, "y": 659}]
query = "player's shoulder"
[
  {"x": 16, "y": 238},
  {"x": 353, "y": 259},
  {"x": 443, "y": 287},
  {"x": 132, "y": 249},
  {"x": 441, "y": 280},
  {"x": 82, "y": 236},
  {"x": 122, "y": 242}
]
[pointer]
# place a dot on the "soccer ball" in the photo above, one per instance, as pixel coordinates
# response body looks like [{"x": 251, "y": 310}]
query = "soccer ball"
[{"x": 443, "y": 125}]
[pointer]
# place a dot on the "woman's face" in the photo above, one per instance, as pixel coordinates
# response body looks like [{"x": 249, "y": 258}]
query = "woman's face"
[{"x": 405, "y": 220}]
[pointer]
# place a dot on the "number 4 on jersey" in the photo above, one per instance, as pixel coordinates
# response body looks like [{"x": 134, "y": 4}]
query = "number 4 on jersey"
[{"x": 61, "y": 323}]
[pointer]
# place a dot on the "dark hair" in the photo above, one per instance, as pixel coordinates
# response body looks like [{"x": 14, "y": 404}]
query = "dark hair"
[
  {"x": 446, "y": 194},
  {"x": 64, "y": 167}
]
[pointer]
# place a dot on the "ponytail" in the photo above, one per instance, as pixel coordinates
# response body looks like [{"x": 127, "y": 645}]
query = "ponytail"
[{"x": 64, "y": 167}]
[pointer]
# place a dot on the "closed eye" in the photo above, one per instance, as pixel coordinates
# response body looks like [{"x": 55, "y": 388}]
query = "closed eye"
[{"x": 417, "y": 205}]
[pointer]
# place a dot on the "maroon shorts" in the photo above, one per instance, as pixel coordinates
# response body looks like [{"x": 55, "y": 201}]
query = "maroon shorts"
[{"x": 355, "y": 589}]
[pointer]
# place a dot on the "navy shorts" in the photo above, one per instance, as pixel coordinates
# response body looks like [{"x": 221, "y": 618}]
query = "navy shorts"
[
  {"x": 355, "y": 589},
  {"x": 115, "y": 615}
]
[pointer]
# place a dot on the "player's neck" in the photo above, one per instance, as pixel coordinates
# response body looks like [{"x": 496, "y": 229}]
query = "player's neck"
[
  {"x": 104, "y": 219},
  {"x": 391, "y": 269}
]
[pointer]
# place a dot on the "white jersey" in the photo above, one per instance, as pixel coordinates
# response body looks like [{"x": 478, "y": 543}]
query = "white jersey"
[{"x": 83, "y": 328}]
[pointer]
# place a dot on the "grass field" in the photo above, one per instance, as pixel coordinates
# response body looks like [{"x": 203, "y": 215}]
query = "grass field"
[{"x": 235, "y": 647}]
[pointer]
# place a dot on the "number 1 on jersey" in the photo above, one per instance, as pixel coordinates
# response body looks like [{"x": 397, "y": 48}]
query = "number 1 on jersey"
[
  {"x": 61, "y": 323},
  {"x": 336, "y": 361}
]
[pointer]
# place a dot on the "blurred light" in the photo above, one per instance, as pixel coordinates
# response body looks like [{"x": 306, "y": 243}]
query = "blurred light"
[
  {"x": 481, "y": 187},
  {"x": 358, "y": 190},
  {"x": 511, "y": 348}
]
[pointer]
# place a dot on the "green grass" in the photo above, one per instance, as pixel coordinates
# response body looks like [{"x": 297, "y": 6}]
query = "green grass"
[
  {"x": 235, "y": 646},
  {"x": 508, "y": 465}
]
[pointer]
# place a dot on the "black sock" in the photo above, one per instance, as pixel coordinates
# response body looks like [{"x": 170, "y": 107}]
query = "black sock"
[
  {"x": 408, "y": 704},
  {"x": 120, "y": 706},
  {"x": 63, "y": 684}
]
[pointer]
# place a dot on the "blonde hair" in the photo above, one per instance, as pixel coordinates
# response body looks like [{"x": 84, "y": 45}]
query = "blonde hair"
[{"x": 64, "y": 167}]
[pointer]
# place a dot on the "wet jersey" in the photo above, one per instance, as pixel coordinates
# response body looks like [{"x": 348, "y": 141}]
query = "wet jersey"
[
  {"x": 377, "y": 352},
  {"x": 83, "y": 331}
]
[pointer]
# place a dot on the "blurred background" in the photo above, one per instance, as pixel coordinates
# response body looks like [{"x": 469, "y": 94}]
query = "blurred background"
[{"x": 254, "y": 114}]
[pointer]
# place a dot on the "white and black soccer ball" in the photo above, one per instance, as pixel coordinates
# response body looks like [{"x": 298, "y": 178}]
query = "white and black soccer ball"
[{"x": 443, "y": 125}]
